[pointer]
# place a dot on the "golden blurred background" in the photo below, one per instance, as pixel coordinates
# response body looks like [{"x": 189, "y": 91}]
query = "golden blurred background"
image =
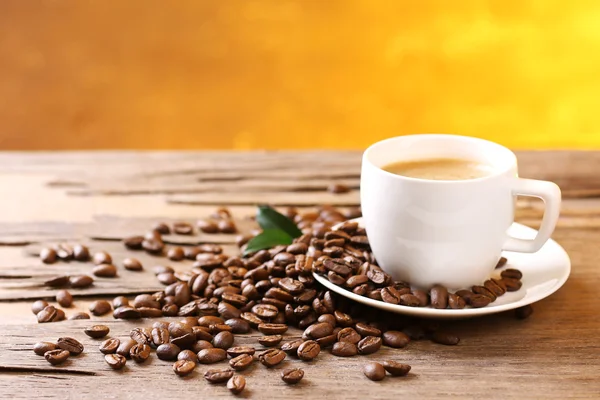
[{"x": 244, "y": 74}]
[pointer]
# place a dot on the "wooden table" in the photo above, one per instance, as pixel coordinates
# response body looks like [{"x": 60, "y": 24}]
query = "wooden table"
[{"x": 99, "y": 197}]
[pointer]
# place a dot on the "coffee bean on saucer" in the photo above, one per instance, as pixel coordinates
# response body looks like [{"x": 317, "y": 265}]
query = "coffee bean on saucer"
[
  {"x": 374, "y": 371},
  {"x": 439, "y": 297},
  {"x": 495, "y": 288},
  {"x": 479, "y": 300},
  {"x": 511, "y": 273},
  {"x": 512, "y": 285},
  {"x": 484, "y": 291},
  {"x": 410, "y": 300},
  {"x": 456, "y": 302},
  {"x": 501, "y": 262}
]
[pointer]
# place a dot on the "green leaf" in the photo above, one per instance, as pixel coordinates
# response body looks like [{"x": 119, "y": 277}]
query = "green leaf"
[
  {"x": 268, "y": 218},
  {"x": 267, "y": 239}
]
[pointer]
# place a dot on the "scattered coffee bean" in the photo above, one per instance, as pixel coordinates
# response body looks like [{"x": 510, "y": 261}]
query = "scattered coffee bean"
[
  {"x": 125, "y": 346},
  {"x": 183, "y": 367},
  {"x": 81, "y": 253},
  {"x": 64, "y": 298},
  {"x": 57, "y": 356},
  {"x": 134, "y": 242},
  {"x": 59, "y": 281},
  {"x": 270, "y": 340},
  {"x": 126, "y": 312},
  {"x": 344, "y": 349},
  {"x": 97, "y": 331},
  {"x": 349, "y": 335},
  {"x": 271, "y": 357},
  {"x": 105, "y": 271},
  {"x": 395, "y": 339},
  {"x": 132, "y": 264},
  {"x": 308, "y": 350},
  {"x": 115, "y": 361},
  {"x": 292, "y": 376},
  {"x": 183, "y": 228},
  {"x": 109, "y": 346},
  {"x": 236, "y": 384},
  {"x": 175, "y": 254},
  {"x": 71, "y": 345},
  {"x": 445, "y": 338},
  {"x": 211, "y": 356},
  {"x": 81, "y": 281},
  {"x": 291, "y": 347},
  {"x": 226, "y": 226},
  {"x": 41, "y": 348},
  {"x": 100, "y": 307},
  {"x": 167, "y": 352},
  {"x": 524, "y": 312},
  {"x": 153, "y": 245},
  {"x": 369, "y": 345},
  {"x": 241, "y": 362},
  {"x": 272, "y": 329},
  {"x": 395, "y": 368},
  {"x": 79, "y": 315},
  {"x": 374, "y": 371},
  {"x": 48, "y": 256},
  {"x": 187, "y": 355},
  {"x": 120, "y": 301},
  {"x": 48, "y": 314},
  {"x": 139, "y": 353},
  {"x": 238, "y": 325},
  {"x": 218, "y": 375},
  {"x": 38, "y": 306},
  {"x": 367, "y": 330},
  {"x": 237, "y": 351},
  {"x": 102, "y": 257},
  {"x": 207, "y": 226},
  {"x": 223, "y": 340}
]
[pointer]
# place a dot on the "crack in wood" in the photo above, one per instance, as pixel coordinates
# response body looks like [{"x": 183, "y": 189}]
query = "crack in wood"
[{"x": 26, "y": 370}]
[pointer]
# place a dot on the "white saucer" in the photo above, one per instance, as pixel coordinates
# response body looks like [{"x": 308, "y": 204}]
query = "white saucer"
[{"x": 544, "y": 273}]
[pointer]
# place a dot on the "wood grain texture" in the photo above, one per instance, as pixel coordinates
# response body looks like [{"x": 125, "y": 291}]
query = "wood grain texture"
[{"x": 553, "y": 354}]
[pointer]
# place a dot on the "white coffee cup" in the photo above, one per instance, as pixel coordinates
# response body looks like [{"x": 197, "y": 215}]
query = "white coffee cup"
[{"x": 451, "y": 233}]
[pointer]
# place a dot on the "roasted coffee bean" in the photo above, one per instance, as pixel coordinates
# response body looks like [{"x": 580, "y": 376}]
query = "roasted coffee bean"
[
  {"x": 64, "y": 298},
  {"x": 145, "y": 300},
  {"x": 207, "y": 226},
  {"x": 223, "y": 340},
  {"x": 79, "y": 315},
  {"x": 38, "y": 306},
  {"x": 187, "y": 355},
  {"x": 132, "y": 264},
  {"x": 369, "y": 345},
  {"x": 439, "y": 297},
  {"x": 356, "y": 280},
  {"x": 80, "y": 281},
  {"x": 456, "y": 302},
  {"x": 201, "y": 345},
  {"x": 524, "y": 312},
  {"x": 105, "y": 271},
  {"x": 41, "y": 348},
  {"x": 395, "y": 339},
  {"x": 374, "y": 371},
  {"x": 421, "y": 295},
  {"x": 251, "y": 318},
  {"x": 211, "y": 356},
  {"x": 48, "y": 256},
  {"x": 126, "y": 312},
  {"x": 308, "y": 350},
  {"x": 234, "y": 299},
  {"x": 390, "y": 295},
  {"x": 414, "y": 332},
  {"x": 291, "y": 347},
  {"x": 177, "y": 329},
  {"x": 160, "y": 325},
  {"x": 162, "y": 228},
  {"x": 479, "y": 300},
  {"x": 226, "y": 226},
  {"x": 238, "y": 325},
  {"x": 327, "y": 341},
  {"x": 175, "y": 254},
  {"x": 160, "y": 336},
  {"x": 184, "y": 341},
  {"x": 58, "y": 281},
  {"x": 81, "y": 252},
  {"x": 338, "y": 266},
  {"x": 141, "y": 335},
  {"x": 71, "y": 345},
  {"x": 501, "y": 262},
  {"x": 48, "y": 314},
  {"x": 139, "y": 353},
  {"x": 348, "y": 335},
  {"x": 512, "y": 285},
  {"x": 120, "y": 301},
  {"x": 236, "y": 384},
  {"x": 344, "y": 349},
  {"x": 148, "y": 312},
  {"x": 237, "y": 351},
  {"x": 265, "y": 311},
  {"x": 102, "y": 257},
  {"x": 511, "y": 273},
  {"x": 367, "y": 330},
  {"x": 170, "y": 310},
  {"x": 335, "y": 243},
  {"x": 183, "y": 228},
  {"x": 343, "y": 319},
  {"x": 125, "y": 346},
  {"x": 445, "y": 338},
  {"x": 329, "y": 318},
  {"x": 60, "y": 315},
  {"x": 279, "y": 294},
  {"x": 292, "y": 376},
  {"x": 318, "y": 330},
  {"x": 395, "y": 368},
  {"x": 271, "y": 357},
  {"x": 183, "y": 367},
  {"x": 218, "y": 375},
  {"x": 57, "y": 356},
  {"x": 115, "y": 361},
  {"x": 97, "y": 331},
  {"x": 153, "y": 245},
  {"x": 100, "y": 307},
  {"x": 64, "y": 251},
  {"x": 484, "y": 291},
  {"x": 336, "y": 279},
  {"x": 270, "y": 340},
  {"x": 493, "y": 287},
  {"x": 216, "y": 328},
  {"x": 133, "y": 242},
  {"x": 109, "y": 346},
  {"x": 272, "y": 329},
  {"x": 377, "y": 276},
  {"x": 241, "y": 362},
  {"x": 297, "y": 248},
  {"x": 167, "y": 351}
]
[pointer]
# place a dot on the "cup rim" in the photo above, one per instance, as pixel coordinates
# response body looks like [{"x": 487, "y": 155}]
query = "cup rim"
[{"x": 500, "y": 171}]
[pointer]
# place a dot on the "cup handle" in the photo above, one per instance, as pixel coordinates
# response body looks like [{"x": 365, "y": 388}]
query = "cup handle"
[{"x": 549, "y": 192}]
